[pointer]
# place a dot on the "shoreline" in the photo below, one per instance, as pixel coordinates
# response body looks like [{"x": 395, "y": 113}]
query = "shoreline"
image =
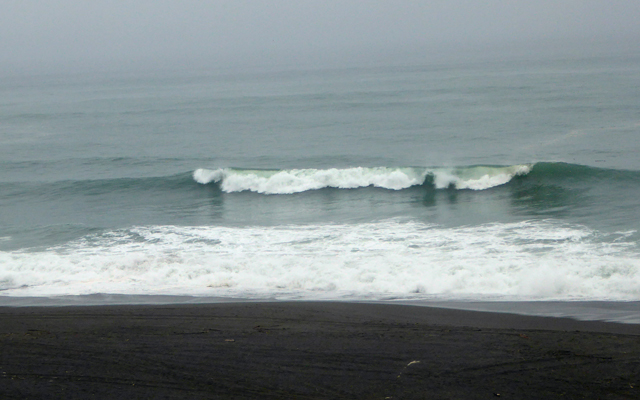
[
  {"x": 625, "y": 312},
  {"x": 310, "y": 350}
]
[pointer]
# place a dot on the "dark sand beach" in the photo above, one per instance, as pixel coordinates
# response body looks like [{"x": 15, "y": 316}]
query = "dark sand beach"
[{"x": 302, "y": 350}]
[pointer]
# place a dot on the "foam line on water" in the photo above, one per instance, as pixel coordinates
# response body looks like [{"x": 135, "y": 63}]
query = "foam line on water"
[{"x": 389, "y": 259}]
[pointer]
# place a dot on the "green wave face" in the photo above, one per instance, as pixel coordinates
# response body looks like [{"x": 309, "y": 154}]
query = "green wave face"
[
  {"x": 288, "y": 181},
  {"x": 479, "y": 177}
]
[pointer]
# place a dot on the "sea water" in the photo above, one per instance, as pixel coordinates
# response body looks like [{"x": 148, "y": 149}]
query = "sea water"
[{"x": 479, "y": 181}]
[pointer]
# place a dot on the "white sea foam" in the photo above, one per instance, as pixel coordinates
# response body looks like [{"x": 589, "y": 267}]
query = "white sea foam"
[
  {"x": 390, "y": 259},
  {"x": 478, "y": 178},
  {"x": 300, "y": 180}
]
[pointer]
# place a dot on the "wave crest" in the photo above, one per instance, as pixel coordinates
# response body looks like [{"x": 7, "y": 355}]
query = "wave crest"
[{"x": 301, "y": 180}]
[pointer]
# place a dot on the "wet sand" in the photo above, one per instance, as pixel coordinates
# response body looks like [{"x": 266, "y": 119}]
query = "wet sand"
[{"x": 312, "y": 350}]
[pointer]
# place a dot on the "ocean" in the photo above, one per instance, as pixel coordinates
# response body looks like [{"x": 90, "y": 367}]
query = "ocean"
[{"x": 503, "y": 182}]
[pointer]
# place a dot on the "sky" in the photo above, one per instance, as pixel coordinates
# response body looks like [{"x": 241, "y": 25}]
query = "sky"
[{"x": 42, "y": 35}]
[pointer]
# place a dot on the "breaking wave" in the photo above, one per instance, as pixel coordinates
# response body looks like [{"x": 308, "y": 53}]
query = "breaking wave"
[
  {"x": 301, "y": 180},
  {"x": 289, "y": 181}
]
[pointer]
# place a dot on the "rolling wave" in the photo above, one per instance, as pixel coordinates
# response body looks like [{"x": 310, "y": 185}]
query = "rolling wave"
[
  {"x": 301, "y": 180},
  {"x": 289, "y": 181}
]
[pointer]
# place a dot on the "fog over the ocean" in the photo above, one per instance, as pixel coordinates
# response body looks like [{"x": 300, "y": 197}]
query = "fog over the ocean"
[{"x": 76, "y": 35}]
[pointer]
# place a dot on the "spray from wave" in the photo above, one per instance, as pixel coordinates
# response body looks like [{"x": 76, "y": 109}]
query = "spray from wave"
[{"x": 301, "y": 180}]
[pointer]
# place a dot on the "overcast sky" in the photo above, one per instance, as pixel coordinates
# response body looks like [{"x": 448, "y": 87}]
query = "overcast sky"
[{"x": 48, "y": 34}]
